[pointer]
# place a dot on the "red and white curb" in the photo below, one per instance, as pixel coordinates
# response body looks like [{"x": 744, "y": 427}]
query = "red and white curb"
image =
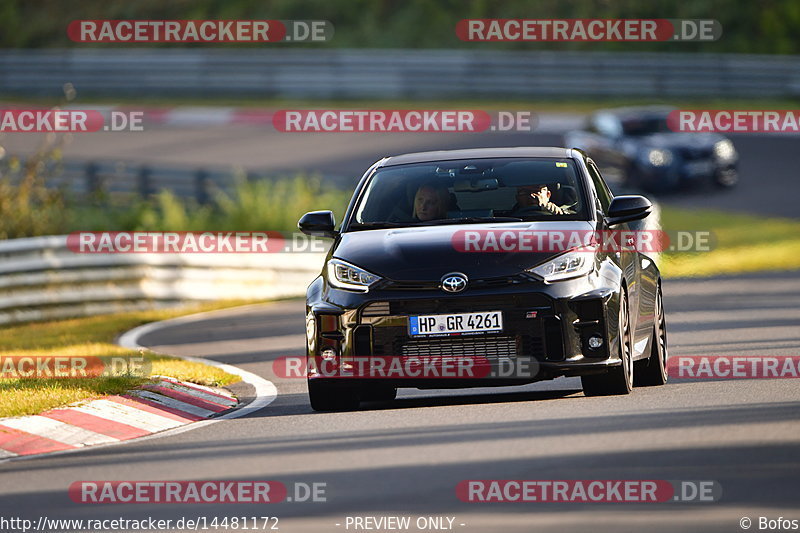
[
  {"x": 265, "y": 391},
  {"x": 158, "y": 406},
  {"x": 159, "y": 409}
]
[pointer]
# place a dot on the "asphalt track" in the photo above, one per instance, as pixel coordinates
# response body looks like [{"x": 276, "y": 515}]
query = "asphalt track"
[
  {"x": 769, "y": 163},
  {"x": 406, "y": 457}
]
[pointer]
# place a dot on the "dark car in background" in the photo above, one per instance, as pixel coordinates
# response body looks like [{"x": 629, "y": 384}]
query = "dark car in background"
[
  {"x": 398, "y": 284},
  {"x": 635, "y": 147}
]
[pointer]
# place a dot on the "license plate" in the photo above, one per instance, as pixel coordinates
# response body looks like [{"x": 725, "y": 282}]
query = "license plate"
[
  {"x": 456, "y": 324},
  {"x": 699, "y": 168}
]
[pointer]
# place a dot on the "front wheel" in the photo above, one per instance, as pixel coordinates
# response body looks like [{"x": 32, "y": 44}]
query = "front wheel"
[
  {"x": 618, "y": 379},
  {"x": 653, "y": 370},
  {"x": 326, "y": 397}
]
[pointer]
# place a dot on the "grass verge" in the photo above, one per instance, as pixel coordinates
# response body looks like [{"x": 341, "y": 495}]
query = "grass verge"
[
  {"x": 92, "y": 337},
  {"x": 740, "y": 243}
]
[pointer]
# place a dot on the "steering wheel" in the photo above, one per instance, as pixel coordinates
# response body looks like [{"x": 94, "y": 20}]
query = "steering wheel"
[{"x": 530, "y": 210}]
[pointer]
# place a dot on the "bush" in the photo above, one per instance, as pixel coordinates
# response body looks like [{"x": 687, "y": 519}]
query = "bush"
[
  {"x": 29, "y": 209},
  {"x": 27, "y": 206},
  {"x": 275, "y": 205}
]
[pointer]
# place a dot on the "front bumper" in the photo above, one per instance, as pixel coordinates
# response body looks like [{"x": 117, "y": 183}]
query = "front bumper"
[
  {"x": 546, "y": 332},
  {"x": 683, "y": 171}
]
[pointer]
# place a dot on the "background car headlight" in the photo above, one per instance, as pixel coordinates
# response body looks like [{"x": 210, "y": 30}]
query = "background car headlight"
[
  {"x": 724, "y": 151},
  {"x": 569, "y": 265},
  {"x": 346, "y": 276},
  {"x": 659, "y": 158}
]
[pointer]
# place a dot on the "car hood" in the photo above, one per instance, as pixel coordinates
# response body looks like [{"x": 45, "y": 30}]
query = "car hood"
[
  {"x": 427, "y": 253},
  {"x": 680, "y": 140}
]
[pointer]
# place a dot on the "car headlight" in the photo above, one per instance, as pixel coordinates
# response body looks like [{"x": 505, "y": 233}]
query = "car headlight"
[
  {"x": 566, "y": 266},
  {"x": 724, "y": 151},
  {"x": 659, "y": 158},
  {"x": 346, "y": 276}
]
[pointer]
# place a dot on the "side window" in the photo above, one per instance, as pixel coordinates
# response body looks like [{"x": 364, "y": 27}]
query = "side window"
[{"x": 603, "y": 192}]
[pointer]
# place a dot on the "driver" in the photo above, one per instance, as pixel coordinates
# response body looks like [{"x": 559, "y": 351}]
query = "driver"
[
  {"x": 430, "y": 203},
  {"x": 538, "y": 197}
]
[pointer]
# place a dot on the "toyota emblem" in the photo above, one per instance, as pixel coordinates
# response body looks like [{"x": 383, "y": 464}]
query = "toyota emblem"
[{"x": 454, "y": 282}]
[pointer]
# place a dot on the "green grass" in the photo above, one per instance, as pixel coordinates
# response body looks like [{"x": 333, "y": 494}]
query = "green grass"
[
  {"x": 743, "y": 243},
  {"x": 92, "y": 336}
]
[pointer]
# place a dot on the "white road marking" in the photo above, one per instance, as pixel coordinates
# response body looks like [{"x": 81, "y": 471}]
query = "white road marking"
[
  {"x": 265, "y": 390},
  {"x": 124, "y": 414},
  {"x": 57, "y": 430}
]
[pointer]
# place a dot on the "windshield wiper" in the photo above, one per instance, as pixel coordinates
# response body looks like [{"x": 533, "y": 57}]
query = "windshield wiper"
[
  {"x": 471, "y": 220},
  {"x": 379, "y": 225},
  {"x": 437, "y": 222}
]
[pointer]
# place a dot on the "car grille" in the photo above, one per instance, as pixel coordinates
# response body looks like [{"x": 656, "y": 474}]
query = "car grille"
[
  {"x": 696, "y": 154},
  {"x": 455, "y": 348},
  {"x": 391, "y": 341},
  {"x": 489, "y": 283}
]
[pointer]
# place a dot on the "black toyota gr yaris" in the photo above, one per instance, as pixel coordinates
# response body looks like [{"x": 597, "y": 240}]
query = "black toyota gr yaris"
[{"x": 485, "y": 267}]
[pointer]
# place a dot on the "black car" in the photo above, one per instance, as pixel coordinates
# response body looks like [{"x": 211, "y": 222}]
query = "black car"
[
  {"x": 400, "y": 285},
  {"x": 637, "y": 147}
]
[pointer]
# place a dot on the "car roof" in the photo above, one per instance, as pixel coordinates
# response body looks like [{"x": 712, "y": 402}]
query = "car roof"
[{"x": 477, "y": 153}]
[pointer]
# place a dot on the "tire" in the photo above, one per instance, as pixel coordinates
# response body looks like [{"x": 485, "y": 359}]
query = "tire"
[
  {"x": 653, "y": 370},
  {"x": 619, "y": 379},
  {"x": 378, "y": 394},
  {"x": 324, "y": 397}
]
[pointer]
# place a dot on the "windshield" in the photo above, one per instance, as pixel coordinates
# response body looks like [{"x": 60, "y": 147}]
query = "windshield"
[
  {"x": 638, "y": 127},
  {"x": 471, "y": 191}
]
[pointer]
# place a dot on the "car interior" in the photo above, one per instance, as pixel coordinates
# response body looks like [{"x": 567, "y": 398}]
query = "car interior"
[{"x": 473, "y": 190}]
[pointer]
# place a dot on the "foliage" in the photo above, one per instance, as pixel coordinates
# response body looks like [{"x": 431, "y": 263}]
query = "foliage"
[
  {"x": 30, "y": 209},
  {"x": 769, "y": 26}
]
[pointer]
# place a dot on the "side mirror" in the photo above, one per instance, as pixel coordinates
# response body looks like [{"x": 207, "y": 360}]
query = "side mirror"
[
  {"x": 627, "y": 209},
  {"x": 318, "y": 224}
]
